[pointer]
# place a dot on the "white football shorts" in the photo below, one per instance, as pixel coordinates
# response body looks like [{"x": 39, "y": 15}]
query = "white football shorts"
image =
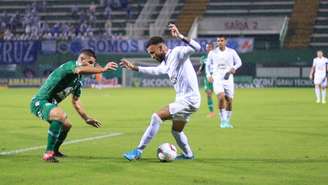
[
  {"x": 320, "y": 80},
  {"x": 181, "y": 111},
  {"x": 224, "y": 86}
]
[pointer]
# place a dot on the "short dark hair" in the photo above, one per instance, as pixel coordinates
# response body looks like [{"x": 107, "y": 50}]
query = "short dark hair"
[
  {"x": 89, "y": 52},
  {"x": 222, "y": 36},
  {"x": 154, "y": 40}
]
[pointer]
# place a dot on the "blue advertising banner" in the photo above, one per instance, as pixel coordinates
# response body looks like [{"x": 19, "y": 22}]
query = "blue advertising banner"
[
  {"x": 102, "y": 46},
  {"x": 18, "y": 52}
]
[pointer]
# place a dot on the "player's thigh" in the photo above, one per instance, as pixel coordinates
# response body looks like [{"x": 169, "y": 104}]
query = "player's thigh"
[
  {"x": 229, "y": 89},
  {"x": 181, "y": 111},
  {"x": 218, "y": 87},
  {"x": 318, "y": 80},
  {"x": 41, "y": 108}
]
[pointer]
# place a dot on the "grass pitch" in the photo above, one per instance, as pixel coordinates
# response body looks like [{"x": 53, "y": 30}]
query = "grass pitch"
[{"x": 280, "y": 137}]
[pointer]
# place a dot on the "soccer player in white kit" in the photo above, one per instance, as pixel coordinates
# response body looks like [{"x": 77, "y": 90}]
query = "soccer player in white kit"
[
  {"x": 224, "y": 62},
  {"x": 319, "y": 69},
  {"x": 177, "y": 65}
]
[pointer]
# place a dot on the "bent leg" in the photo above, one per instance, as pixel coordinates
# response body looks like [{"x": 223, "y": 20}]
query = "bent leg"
[
  {"x": 154, "y": 125},
  {"x": 58, "y": 116},
  {"x": 181, "y": 138}
]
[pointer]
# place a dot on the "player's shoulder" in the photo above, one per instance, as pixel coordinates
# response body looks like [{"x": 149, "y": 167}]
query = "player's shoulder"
[
  {"x": 231, "y": 50},
  {"x": 177, "y": 49},
  {"x": 215, "y": 50},
  {"x": 68, "y": 66}
]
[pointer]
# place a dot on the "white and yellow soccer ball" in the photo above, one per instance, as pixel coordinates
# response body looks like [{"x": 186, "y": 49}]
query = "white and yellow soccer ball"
[{"x": 166, "y": 152}]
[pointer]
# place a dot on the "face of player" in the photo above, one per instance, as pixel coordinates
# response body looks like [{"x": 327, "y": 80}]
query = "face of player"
[
  {"x": 86, "y": 60},
  {"x": 319, "y": 54},
  {"x": 221, "y": 42},
  {"x": 157, "y": 51},
  {"x": 209, "y": 47}
]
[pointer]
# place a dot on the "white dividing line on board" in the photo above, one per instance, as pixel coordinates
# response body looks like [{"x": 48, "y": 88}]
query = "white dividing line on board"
[{"x": 22, "y": 150}]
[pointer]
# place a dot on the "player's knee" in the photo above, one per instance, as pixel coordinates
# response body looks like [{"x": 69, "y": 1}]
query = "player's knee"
[
  {"x": 156, "y": 119},
  {"x": 68, "y": 126},
  {"x": 62, "y": 117},
  {"x": 178, "y": 126},
  {"x": 221, "y": 96}
]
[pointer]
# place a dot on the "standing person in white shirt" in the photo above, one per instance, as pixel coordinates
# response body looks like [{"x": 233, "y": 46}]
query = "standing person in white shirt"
[
  {"x": 177, "y": 65},
  {"x": 318, "y": 75},
  {"x": 224, "y": 62}
]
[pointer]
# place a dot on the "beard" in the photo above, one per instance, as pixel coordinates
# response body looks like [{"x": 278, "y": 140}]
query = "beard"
[{"x": 160, "y": 57}]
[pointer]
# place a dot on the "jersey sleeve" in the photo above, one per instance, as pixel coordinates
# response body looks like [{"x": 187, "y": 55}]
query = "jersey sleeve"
[
  {"x": 186, "y": 51},
  {"x": 209, "y": 64},
  {"x": 314, "y": 63},
  {"x": 208, "y": 69},
  {"x": 236, "y": 60},
  {"x": 160, "y": 69}
]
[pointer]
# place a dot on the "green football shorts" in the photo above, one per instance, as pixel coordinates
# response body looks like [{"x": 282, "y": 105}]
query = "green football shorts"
[{"x": 41, "y": 108}]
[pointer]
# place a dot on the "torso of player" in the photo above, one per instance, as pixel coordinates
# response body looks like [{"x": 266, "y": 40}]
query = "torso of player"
[
  {"x": 320, "y": 66},
  {"x": 222, "y": 61},
  {"x": 60, "y": 83},
  {"x": 183, "y": 76}
]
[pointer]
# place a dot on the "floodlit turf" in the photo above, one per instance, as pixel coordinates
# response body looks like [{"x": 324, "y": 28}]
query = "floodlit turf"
[{"x": 280, "y": 137}]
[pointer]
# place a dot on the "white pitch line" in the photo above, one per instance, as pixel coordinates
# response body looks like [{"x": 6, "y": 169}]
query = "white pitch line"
[{"x": 22, "y": 150}]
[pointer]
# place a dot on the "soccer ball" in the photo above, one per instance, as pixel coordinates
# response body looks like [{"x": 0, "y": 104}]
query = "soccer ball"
[{"x": 166, "y": 152}]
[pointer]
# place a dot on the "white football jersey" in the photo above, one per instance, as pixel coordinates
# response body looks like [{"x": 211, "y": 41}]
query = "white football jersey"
[
  {"x": 319, "y": 65},
  {"x": 178, "y": 67},
  {"x": 221, "y": 62}
]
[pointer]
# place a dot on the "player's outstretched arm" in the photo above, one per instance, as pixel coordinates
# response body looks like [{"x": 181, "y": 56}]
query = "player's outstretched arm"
[
  {"x": 78, "y": 107},
  {"x": 148, "y": 70},
  {"x": 128, "y": 65},
  {"x": 96, "y": 69}
]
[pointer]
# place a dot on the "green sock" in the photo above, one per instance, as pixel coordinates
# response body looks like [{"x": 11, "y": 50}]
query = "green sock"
[
  {"x": 210, "y": 103},
  {"x": 53, "y": 134},
  {"x": 61, "y": 139}
]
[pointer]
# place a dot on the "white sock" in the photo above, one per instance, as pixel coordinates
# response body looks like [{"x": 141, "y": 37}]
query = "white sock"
[
  {"x": 323, "y": 94},
  {"x": 223, "y": 114},
  {"x": 150, "y": 132},
  {"x": 229, "y": 113},
  {"x": 317, "y": 92},
  {"x": 182, "y": 141}
]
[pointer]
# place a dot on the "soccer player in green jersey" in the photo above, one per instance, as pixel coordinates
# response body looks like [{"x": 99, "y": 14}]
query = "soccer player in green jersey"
[
  {"x": 63, "y": 81},
  {"x": 208, "y": 86}
]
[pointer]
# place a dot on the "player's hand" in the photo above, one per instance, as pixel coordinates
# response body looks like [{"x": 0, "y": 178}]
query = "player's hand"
[
  {"x": 174, "y": 30},
  {"x": 232, "y": 71},
  {"x": 210, "y": 79},
  {"x": 93, "y": 122},
  {"x": 310, "y": 77},
  {"x": 111, "y": 66},
  {"x": 128, "y": 65}
]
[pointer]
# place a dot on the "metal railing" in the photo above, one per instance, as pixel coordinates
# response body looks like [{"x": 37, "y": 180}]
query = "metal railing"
[{"x": 163, "y": 18}]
